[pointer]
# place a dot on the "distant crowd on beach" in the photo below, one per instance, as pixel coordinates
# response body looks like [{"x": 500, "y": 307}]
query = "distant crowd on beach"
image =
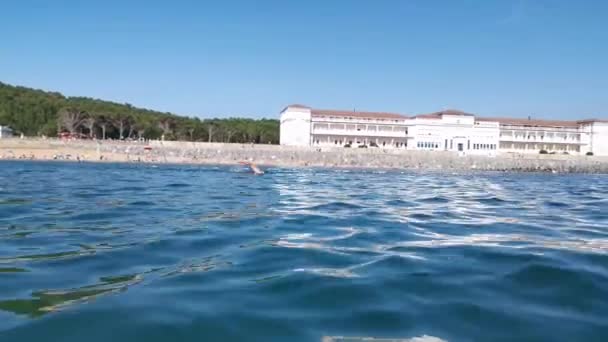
[{"x": 10, "y": 155}]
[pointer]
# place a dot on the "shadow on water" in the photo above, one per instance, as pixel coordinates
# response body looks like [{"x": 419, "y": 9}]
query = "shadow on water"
[{"x": 43, "y": 302}]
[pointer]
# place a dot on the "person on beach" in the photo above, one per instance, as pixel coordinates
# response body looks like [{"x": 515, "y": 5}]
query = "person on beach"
[{"x": 256, "y": 170}]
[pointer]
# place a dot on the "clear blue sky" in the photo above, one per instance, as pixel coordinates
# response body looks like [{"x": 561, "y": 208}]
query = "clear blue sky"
[{"x": 548, "y": 58}]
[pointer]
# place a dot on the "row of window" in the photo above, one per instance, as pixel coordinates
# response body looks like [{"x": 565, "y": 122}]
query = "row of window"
[
  {"x": 557, "y": 147},
  {"x": 484, "y": 146},
  {"x": 350, "y": 142},
  {"x": 361, "y": 128},
  {"x": 427, "y": 144},
  {"x": 358, "y": 119},
  {"x": 435, "y": 145},
  {"x": 541, "y": 137}
]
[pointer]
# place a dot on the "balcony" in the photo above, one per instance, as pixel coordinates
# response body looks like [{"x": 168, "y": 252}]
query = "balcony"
[
  {"x": 360, "y": 133},
  {"x": 362, "y": 121},
  {"x": 538, "y": 140},
  {"x": 539, "y": 129}
]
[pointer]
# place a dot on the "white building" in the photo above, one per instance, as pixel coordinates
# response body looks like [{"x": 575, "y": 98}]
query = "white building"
[
  {"x": 453, "y": 130},
  {"x": 595, "y": 134},
  {"x": 5, "y": 132},
  {"x": 448, "y": 130}
]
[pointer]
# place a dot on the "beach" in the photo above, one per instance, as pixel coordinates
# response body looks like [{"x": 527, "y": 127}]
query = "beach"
[{"x": 180, "y": 152}]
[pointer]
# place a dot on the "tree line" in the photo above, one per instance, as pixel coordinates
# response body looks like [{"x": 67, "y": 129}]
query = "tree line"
[{"x": 35, "y": 112}]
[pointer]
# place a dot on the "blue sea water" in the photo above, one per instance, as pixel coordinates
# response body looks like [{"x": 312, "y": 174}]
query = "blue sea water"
[{"x": 104, "y": 252}]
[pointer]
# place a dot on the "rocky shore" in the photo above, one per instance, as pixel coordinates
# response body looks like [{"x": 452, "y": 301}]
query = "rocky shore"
[{"x": 272, "y": 155}]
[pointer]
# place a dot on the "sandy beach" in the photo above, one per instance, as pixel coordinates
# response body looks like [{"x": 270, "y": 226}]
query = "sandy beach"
[{"x": 176, "y": 152}]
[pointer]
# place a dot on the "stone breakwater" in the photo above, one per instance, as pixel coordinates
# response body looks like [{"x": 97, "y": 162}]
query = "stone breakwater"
[{"x": 272, "y": 155}]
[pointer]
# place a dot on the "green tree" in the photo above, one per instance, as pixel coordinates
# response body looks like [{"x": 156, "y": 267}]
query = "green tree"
[{"x": 36, "y": 112}]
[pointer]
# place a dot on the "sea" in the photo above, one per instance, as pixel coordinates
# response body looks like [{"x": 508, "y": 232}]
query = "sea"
[{"x": 131, "y": 252}]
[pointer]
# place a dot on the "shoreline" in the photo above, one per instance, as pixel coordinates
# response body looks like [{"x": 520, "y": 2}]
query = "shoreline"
[
  {"x": 265, "y": 167},
  {"x": 196, "y": 153}
]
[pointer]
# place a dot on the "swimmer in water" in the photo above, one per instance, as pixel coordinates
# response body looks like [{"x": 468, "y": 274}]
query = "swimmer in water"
[{"x": 256, "y": 170}]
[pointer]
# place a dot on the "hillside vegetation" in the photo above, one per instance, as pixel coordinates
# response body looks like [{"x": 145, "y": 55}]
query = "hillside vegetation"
[{"x": 41, "y": 113}]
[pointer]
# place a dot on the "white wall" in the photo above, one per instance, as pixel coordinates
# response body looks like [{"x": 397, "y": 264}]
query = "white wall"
[
  {"x": 295, "y": 126},
  {"x": 432, "y": 134},
  {"x": 599, "y": 138}
]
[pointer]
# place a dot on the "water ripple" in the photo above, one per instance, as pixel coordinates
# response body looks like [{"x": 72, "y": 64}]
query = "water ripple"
[{"x": 213, "y": 253}]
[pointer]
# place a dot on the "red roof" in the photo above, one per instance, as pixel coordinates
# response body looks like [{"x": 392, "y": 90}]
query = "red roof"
[
  {"x": 354, "y": 114},
  {"x": 593, "y": 120},
  {"x": 531, "y": 123},
  {"x": 437, "y": 115},
  {"x": 295, "y": 105}
]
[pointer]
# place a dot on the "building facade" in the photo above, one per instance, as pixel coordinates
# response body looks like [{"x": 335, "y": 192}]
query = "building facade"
[
  {"x": 5, "y": 132},
  {"x": 448, "y": 130}
]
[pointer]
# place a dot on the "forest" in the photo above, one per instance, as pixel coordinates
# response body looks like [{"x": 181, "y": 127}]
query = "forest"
[{"x": 33, "y": 112}]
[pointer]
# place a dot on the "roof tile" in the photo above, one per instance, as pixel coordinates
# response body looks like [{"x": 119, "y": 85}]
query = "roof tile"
[{"x": 354, "y": 114}]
